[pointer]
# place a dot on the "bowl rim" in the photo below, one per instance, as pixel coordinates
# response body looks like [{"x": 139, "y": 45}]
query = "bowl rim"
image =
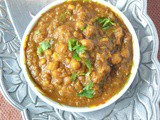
[{"x": 136, "y": 60}]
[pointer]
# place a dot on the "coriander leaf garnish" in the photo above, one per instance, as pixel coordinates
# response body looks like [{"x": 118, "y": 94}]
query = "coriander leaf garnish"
[
  {"x": 80, "y": 49},
  {"x": 43, "y": 46},
  {"x": 88, "y": 92},
  {"x": 76, "y": 47},
  {"x": 89, "y": 86},
  {"x": 88, "y": 64},
  {"x": 37, "y": 32},
  {"x": 51, "y": 41},
  {"x": 83, "y": 28},
  {"x": 67, "y": 13},
  {"x": 105, "y": 23},
  {"x": 39, "y": 50},
  {"x": 88, "y": 74},
  {"x": 74, "y": 76},
  {"x": 71, "y": 44},
  {"x": 83, "y": 74},
  {"x": 76, "y": 56}
]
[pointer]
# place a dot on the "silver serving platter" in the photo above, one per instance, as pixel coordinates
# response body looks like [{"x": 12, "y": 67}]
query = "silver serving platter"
[{"x": 140, "y": 102}]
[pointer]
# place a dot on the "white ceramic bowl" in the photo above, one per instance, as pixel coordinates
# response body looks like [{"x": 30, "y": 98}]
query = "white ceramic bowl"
[{"x": 136, "y": 58}]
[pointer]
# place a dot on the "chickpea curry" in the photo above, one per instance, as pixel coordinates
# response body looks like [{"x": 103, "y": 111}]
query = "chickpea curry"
[{"x": 79, "y": 53}]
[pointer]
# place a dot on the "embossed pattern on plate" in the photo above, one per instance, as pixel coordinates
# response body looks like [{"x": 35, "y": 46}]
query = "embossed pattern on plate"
[{"x": 139, "y": 102}]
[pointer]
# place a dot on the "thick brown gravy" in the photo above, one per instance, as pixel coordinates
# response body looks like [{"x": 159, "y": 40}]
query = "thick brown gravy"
[{"x": 80, "y": 53}]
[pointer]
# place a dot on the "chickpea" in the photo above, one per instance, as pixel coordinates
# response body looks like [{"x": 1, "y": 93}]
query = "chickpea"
[
  {"x": 96, "y": 78},
  {"x": 82, "y": 15},
  {"x": 55, "y": 56},
  {"x": 93, "y": 54},
  {"x": 70, "y": 54},
  {"x": 42, "y": 61},
  {"x": 96, "y": 88},
  {"x": 108, "y": 69},
  {"x": 64, "y": 73},
  {"x": 47, "y": 39},
  {"x": 67, "y": 80},
  {"x": 104, "y": 42},
  {"x": 52, "y": 65},
  {"x": 71, "y": 7},
  {"x": 78, "y": 86},
  {"x": 60, "y": 69},
  {"x": 80, "y": 25},
  {"x": 61, "y": 48},
  {"x": 90, "y": 31},
  {"x": 111, "y": 15},
  {"x": 78, "y": 35},
  {"x": 68, "y": 71},
  {"x": 58, "y": 81},
  {"x": 116, "y": 58},
  {"x": 51, "y": 87},
  {"x": 64, "y": 91},
  {"x": 75, "y": 65},
  {"x": 82, "y": 79},
  {"x": 125, "y": 53},
  {"x": 67, "y": 60},
  {"x": 88, "y": 44},
  {"x": 100, "y": 32},
  {"x": 83, "y": 55},
  {"x": 46, "y": 76},
  {"x": 39, "y": 37},
  {"x": 61, "y": 92},
  {"x": 56, "y": 74},
  {"x": 45, "y": 83},
  {"x": 55, "y": 64},
  {"x": 118, "y": 35},
  {"x": 71, "y": 89},
  {"x": 48, "y": 53},
  {"x": 49, "y": 66},
  {"x": 58, "y": 87}
]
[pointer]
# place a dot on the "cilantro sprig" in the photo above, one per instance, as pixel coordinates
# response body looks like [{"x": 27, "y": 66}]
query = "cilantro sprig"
[
  {"x": 88, "y": 91},
  {"x": 105, "y": 23},
  {"x": 76, "y": 56},
  {"x": 76, "y": 47},
  {"x": 83, "y": 28},
  {"x": 37, "y": 32},
  {"x": 88, "y": 64},
  {"x": 43, "y": 46},
  {"x": 79, "y": 49},
  {"x": 74, "y": 76},
  {"x": 71, "y": 44}
]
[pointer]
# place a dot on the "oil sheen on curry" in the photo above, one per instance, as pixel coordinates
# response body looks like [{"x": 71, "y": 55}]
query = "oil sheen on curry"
[{"x": 79, "y": 53}]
